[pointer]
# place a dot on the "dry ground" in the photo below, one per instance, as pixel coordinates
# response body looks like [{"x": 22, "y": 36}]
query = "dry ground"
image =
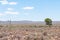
[{"x": 26, "y": 32}]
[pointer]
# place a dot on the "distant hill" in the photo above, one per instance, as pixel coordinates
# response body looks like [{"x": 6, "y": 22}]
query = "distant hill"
[{"x": 28, "y": 22}]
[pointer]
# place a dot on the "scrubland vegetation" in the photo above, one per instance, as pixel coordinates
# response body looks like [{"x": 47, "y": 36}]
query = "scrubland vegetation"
[{"x": 29, "y": 32}]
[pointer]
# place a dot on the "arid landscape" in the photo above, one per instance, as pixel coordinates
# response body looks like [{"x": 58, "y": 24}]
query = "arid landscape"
[
  {"x": 29, "y": 19},
  {"x": 29, "y": 32}
]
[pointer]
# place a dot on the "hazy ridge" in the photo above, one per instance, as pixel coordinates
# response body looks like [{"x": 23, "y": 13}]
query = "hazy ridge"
[{"x": 28, "y": 22}]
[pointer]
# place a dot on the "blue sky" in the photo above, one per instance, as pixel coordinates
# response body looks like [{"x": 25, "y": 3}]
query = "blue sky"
[{"x": 33, "y": 10}]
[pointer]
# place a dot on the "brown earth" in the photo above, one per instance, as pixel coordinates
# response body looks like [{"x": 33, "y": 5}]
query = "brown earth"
[{"x": 35, "y": 33}]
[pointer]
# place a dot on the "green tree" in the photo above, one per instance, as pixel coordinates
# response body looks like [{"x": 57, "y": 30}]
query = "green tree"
[{"x": 48, "y": 21}]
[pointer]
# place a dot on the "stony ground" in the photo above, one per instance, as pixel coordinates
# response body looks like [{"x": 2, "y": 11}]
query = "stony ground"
[{"x": 43, "y": 33}]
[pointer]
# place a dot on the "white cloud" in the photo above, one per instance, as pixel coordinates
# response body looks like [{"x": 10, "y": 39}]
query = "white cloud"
[
  {"x": 6, "y": 2},
  {"x": 0, "y": 1},
  {"x": 28, "y": 8},
  {"x": 10, "y": 9},
  {"x": 1, "y": 14},
  {"x": 12, "y": 3},
  {"x": 26, "y": 13},
  {"x": 10, "y": 12}
]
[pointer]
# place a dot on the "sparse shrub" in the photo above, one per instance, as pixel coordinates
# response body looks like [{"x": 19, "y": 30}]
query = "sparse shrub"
[
  {"x": 35, "y": 38},
  {"x": 1, "y": 26},
  {"x": 41, "y": 26},
  {"x": 42, "y": 38},
  {"x": 22, "y": 26},
  {"x": 48, "y": 21},
  {"x": 1, "y": 36},
  {"x": 28, "y": 38},
  {"x": 26, "y": 29},
  {"x": 30, "y": 26},
  {"x": 45, "y": 33},
  {"x": 34, "y": 26}
]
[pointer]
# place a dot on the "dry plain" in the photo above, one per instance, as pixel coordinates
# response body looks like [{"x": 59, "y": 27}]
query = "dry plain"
[{"x": 29, "y": 32}]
